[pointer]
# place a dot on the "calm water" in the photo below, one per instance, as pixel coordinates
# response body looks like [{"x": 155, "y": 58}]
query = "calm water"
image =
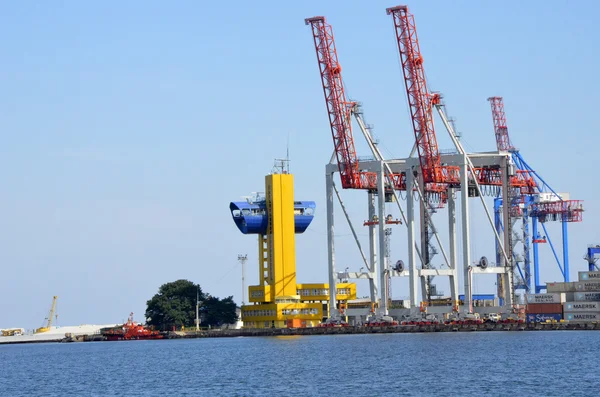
[{"x": 485, "y": 363}]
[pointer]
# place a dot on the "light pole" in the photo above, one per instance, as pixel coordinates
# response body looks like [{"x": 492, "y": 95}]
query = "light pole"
[
  {"x": 243, "y": 259},
  {"x": 198, "y": 309}
]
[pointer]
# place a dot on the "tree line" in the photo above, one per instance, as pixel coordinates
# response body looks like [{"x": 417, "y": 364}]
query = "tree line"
[{"x": 175, "y": 305}]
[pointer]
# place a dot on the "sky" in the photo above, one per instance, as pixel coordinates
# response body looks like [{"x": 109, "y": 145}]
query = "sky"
[{"x": 128, "y": 127}]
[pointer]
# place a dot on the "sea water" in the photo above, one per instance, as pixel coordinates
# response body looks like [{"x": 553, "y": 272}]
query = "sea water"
[{"x": 543, "y": 363}]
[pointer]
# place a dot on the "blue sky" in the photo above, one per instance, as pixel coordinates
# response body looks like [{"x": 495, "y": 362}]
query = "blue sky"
[{"x": 128, "y": 128}]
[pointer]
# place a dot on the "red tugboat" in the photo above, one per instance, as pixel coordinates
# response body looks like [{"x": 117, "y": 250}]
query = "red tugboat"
[{"x": 131, "y": 330}]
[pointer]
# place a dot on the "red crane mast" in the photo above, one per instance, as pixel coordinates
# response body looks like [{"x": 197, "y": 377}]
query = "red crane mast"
[
  {"x": 338, "y": 107},
  {"x": 502, "y": 139},
  {"x": 420, "y": 101},
  {"x": 339, "y": 110},
  {"x": 555, "y": 210}
]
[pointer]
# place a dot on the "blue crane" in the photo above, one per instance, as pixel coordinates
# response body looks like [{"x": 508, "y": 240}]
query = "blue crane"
[{"x": 542, "y": 205}]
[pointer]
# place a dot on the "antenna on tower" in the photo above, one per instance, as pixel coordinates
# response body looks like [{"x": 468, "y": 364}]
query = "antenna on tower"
[
  {"x": 287, "y": 152},
  {"x": 282, "y": 166}
]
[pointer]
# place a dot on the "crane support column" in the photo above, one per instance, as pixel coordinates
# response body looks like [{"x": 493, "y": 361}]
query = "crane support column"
[
  {"x": 592, "y": 252},
  {"x": 383, "y": 265},
  {"x": 499, "y": 257},
  {"x": 565, "y": 239},
  {"x": 373, "y": 289},
  {"x": 506, "y": 200},
  {"x": 410, "y": 225},
  {"x": 452, "y": 237},
  {"x": 526, "y": 246},
  {"x": 333, "y": 313},
  {"x": 536, "y": 260},
  {"x": 466, "y": 243},
  {"x": 424, "y": 228}
]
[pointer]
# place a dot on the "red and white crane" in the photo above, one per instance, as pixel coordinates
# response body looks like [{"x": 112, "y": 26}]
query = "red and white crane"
[
  {"x": 502, "y": 139},
  {"x": 420, "y": 100},
  {"x": 338, "y": 106},
  {"x": 340, "y": 110},
  {"x": 550, "y": 208}
]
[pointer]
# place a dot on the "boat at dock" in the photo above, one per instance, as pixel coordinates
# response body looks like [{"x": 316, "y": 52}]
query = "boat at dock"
[{"x": 131, "y": 330}]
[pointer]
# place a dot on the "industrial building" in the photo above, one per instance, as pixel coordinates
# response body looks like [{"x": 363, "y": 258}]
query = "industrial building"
[{"x": 279, "y": 301}]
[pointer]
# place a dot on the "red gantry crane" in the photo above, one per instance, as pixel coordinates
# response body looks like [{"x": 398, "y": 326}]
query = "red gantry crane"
[
  {"x": 339, "y": 111},
  {"x": 421, "y": 103}
]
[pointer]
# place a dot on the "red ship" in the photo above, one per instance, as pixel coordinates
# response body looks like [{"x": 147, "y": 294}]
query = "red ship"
[{"x": 131, "y": 330}]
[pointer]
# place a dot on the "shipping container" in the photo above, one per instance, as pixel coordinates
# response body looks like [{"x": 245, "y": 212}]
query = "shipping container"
[
  {"x": 569, "y": 296},
  {"x": 544, "y": 197},
  {"x": 581, "y": 307},
  {"x": 543, "y": 308},
  {"x": 478, "y": 297},
  {"x": 587, "y": 296},
  {"x": 561, "y": 287},
  {"x": 542, "y": 317},
  {"x": 545, "y": 298},
  {"x": 587, "y": 286},
  {"x": 582, "y": 317},
  {"x": 585, "y": 276}
]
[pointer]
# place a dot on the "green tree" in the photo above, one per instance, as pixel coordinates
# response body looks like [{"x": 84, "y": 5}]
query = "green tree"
[
  {"x": 175, "y": 305},
  {"x": 217, "y": 312}
]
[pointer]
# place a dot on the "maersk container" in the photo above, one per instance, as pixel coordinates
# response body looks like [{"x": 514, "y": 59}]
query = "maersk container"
[
  {"x": 581, "y": 307},
  {"x": 545, "y": 298},
  {"x": 582, "y": 317},
  {"x": 560, "y": 287},
  {"x": 544, "y": 308},
  {"x": 586, "y": 296},
  {"x": 542, "y": 317},
  {"x": 592, "y": 276},
  {"x": 587, "y": 286},
  {"x": 568, "y": 296}
]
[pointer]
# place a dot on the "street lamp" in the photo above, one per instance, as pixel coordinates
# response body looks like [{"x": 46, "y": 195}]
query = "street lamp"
[
  {"x": 198, "y": 309},
  {"x": 243, "y": 259}
]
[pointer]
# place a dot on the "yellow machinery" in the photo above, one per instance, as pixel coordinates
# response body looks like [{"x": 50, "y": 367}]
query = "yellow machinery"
[
  {"x": 49, "y": 318},
  {"x": 278, "y": 301},
  {"x": 13, "y": 332}
]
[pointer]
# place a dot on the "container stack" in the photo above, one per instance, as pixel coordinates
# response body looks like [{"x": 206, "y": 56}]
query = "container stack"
[
  {"x": 544, "y": 307},
  {"x": 585, "y": 307},
  {"x": 561, "y": 287}
]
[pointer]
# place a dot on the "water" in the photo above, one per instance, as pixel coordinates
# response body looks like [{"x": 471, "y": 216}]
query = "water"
[{"x": 549, "y": 363}]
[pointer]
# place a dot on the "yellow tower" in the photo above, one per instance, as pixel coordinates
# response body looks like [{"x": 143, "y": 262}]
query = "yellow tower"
[
  {"x": 277, "y": 248},
  {"x": 278, "y": 301}
]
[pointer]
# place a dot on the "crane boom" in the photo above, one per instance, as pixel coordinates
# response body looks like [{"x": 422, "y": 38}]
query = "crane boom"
[
  {"x": 500, "y": 129},
  {"x": 338, "y": 107},
  {"x": 420, "y": 101},
  {"x": 52, "y": 311},
  {"x": 553, "y": 210},
  {"x": 340, "y": 110},
  {"x": 50, "y": 317}
]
